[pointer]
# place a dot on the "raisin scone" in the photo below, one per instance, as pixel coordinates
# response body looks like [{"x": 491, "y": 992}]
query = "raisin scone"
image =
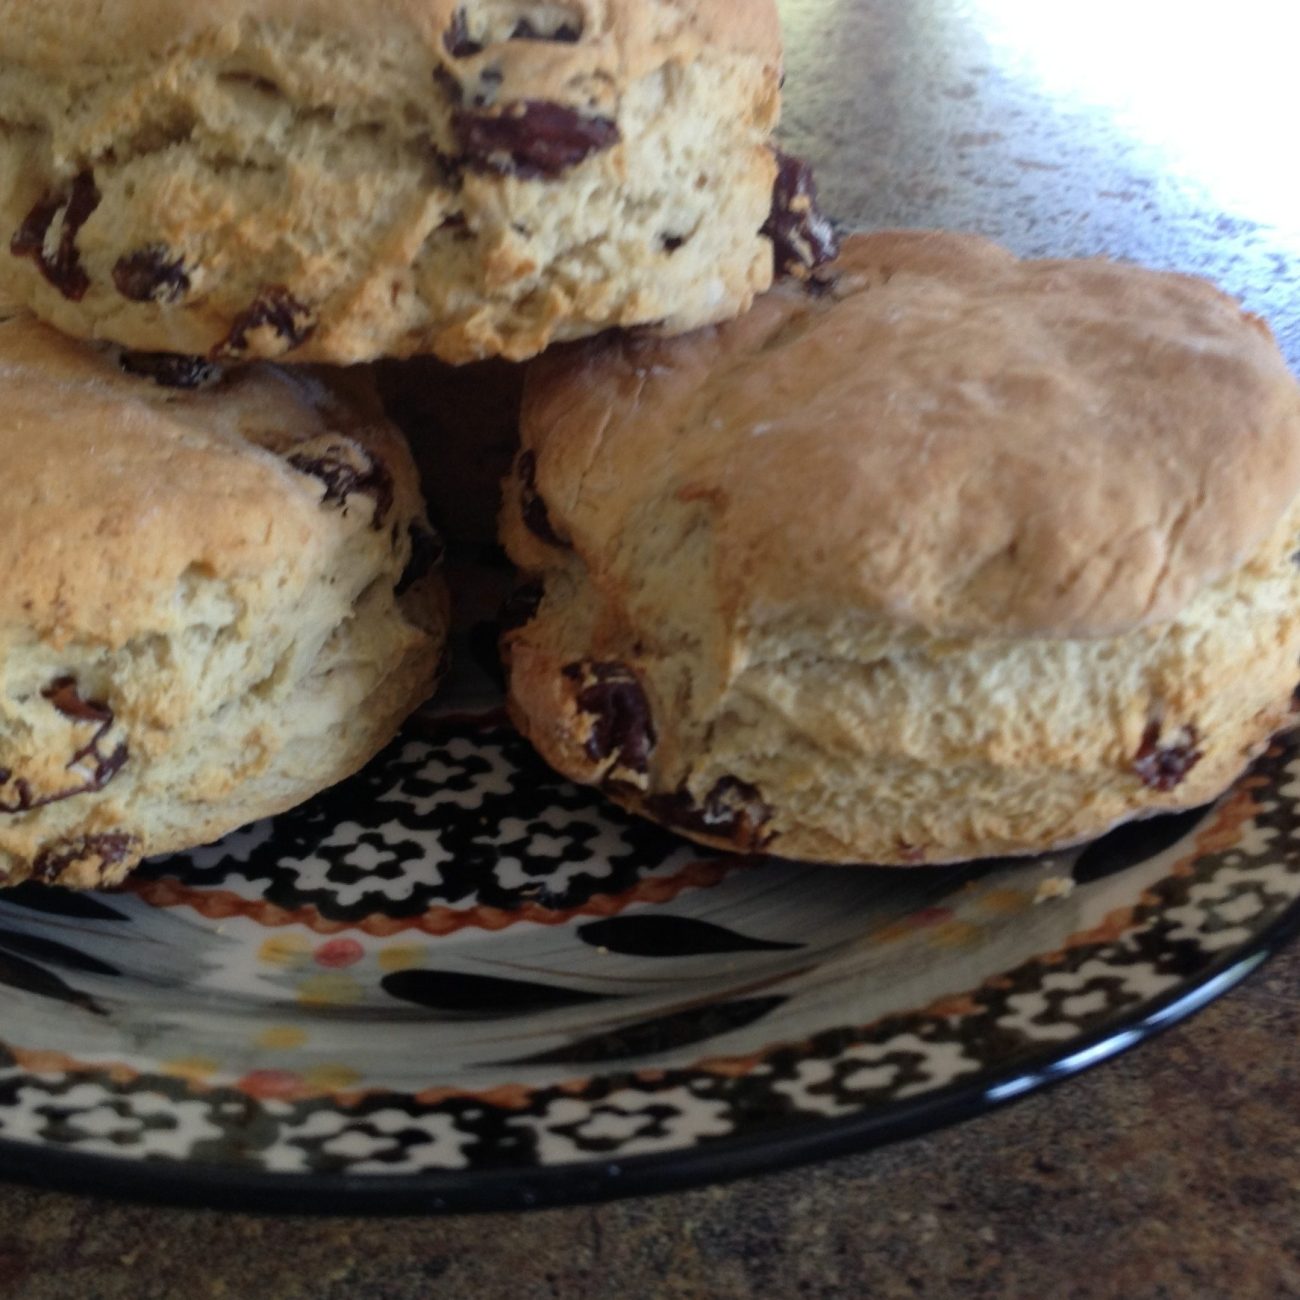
[
  {"x": 941, "y": 554},
  {"x": 322, "y": 181},
  {"x": 213, "y": 603}
]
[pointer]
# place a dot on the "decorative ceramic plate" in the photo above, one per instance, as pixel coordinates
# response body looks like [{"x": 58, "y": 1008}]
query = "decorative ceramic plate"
[{"x": 458, "y": 981}]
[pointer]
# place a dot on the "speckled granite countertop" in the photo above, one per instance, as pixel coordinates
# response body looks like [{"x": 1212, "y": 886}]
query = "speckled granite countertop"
[{"x": 1151, "y": 131}]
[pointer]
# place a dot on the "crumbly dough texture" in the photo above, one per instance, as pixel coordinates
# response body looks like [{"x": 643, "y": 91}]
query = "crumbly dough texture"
[
  {"x": 942, "y": 555},
  {"x": 210, "y": 608},
  {"x": 328, "y": 181}
]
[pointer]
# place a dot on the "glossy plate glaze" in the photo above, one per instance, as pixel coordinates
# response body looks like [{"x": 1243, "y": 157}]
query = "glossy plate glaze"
[{"x": 458, "y": 981}]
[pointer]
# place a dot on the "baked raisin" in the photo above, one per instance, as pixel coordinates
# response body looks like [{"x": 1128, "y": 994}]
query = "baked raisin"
[
  {"x": 733, "y": 810},
  {"x": 97, "y": 768},
  {"x": 611, "y": 694},
  {"x": 111, "y": 848},
  {"x": 61, "y": 263},
  {"x": 531, "y": 138},
  {"x": 348, "y": 469},
  {"x": 457, "y": 40},
  {"x": 151, "y": 274},
  {"x": 171, "y": 370},
  {"x": 1164, "y": 767},
  {"x": 274, "y": 309},
  {"x": 564, "y": 34},
  {"x": 802, "y": 237},
  {"x": 461, "y": 45},
  {"x": 536, "y": 517}
]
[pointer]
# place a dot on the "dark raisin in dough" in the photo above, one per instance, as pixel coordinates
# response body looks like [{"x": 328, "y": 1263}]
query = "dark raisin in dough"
[
  {"x": 111, "y": 848},
  {"x": 536, "y": 517},
  {"x": 63, "y": 694},
  {"x": 457, "y": 40},
  {"x": 1165, "y": 767},
  {"x": 802, "y": 238},
  {"x": 564, "y": 34},
  {"x": 531, "y": 138},
  {"x": 152, "y": 274},
  {"x": 732, "y": 810},
  {"x": 61, "y": 265},
  {"x": 347, "y": 469},
  {"x": 276, "y": 309},
  {"x": 171, "y": 370},
  {"x": 622, "y": 729}
]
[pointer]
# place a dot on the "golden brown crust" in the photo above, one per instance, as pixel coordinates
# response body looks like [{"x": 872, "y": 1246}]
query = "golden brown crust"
[
  {"x": 74, "y": 33},
  {"x": 157, "y": 482},
  {"x": 327, "y": 182},
  {"x": 957, "y": 556},
  {"x": 209, "y": 610},
  {"x": 951, "y": 437}
]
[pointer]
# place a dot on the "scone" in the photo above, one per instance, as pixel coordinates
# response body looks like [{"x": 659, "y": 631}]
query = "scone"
[
  {"x": 336, "y": 182},
  {"x": 213, "y": 603},
  {"x": 943, "y": 554}
]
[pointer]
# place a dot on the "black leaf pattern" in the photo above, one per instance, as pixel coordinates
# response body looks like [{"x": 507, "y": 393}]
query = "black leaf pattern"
[
  {"x": 19, "y": 973},
  {"x": 662, "y": 1034},
  {"x": 461, "y": 994},
  {"x": 1136, "y": 842},
  {"x": 63, "y": 902},
  {"x": 671, "y": 936},
  {"x": 48, "y": 950}
]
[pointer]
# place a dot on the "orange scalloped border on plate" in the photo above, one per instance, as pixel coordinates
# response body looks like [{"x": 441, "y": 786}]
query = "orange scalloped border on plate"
[{"x": 222, "y": 905}]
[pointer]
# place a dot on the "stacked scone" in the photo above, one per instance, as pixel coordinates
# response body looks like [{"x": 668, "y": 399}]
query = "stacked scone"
[
  {"x": 935, "y": 555},
  {"x": 214, "y": 605},
  {"x": 221, "y": 593},
  {"x": 924, "y": 553}
]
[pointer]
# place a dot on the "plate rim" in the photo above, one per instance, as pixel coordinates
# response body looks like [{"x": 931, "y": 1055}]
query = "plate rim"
[{"x": 196, "y": 1185}]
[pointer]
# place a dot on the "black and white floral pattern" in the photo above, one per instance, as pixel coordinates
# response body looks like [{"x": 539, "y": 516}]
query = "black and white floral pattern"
[
  {"x": 589, "y": 990},
  {"x": 467, "y": 815}
]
